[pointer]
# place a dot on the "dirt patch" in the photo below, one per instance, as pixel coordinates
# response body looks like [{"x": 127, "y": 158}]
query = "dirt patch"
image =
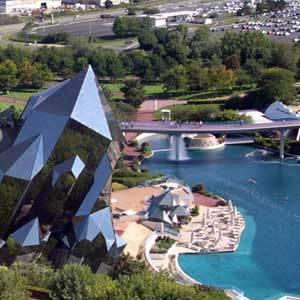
[{"x": 135, "y": 236}]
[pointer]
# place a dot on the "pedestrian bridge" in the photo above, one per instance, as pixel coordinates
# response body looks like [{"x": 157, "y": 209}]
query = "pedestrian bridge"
[{"x": 176, "y": 129}]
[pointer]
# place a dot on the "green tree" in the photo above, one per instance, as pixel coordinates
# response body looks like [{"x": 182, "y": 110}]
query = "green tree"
[
  {"x": 222, "y": 78},
  {"x": 230, "y": 115},
  {"x": 254, "y": 70},
  {"x": 242, "y": 78},
  {"x": 134, "y": 92},
  {"x": 157, "y": 286},
  {"x": 8, "y": 75},
  {"x": 197, "y": 77},
  {"x": 33, "y": 75},
  {"x": 72, "y": 282},
  {"x": 12, "y": 285},
  {"x": 103, "y": 287},
  {"x": 230, "y": 44},
  {"x": 174, "y": 78},
  {"x": 41, "y": 74},
  {"x": 285, "y": 56},
  {"x": 127, "y": 25},
  {"x": 127, "y": 265},
  {"x": 113, "y": 65},
  {"x": 147, "y": 40},
  {"x": 276, "y": 84},
  {"x": 37, "y": 275},
  {"x": 255, "y": 45}
]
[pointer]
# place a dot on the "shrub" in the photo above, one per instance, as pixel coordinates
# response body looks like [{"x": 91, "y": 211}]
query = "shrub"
[
  {"x": 116, "y": 186},
  {"x": 195, "y": 211},
  {"x": 198, "y": 188}
]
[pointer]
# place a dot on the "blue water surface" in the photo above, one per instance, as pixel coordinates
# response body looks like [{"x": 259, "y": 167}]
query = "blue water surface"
[{"x": 267, "y": 263}]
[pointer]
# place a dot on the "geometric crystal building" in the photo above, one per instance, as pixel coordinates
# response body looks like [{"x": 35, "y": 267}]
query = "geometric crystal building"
[{"x": 55, "y": 177}]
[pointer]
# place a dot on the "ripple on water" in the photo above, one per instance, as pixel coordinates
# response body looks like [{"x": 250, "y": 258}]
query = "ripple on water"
[{"x": 267, "y": 263}]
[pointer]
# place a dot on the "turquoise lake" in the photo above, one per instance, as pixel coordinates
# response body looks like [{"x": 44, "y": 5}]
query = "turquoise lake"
[{"x": 267, "y": 263}]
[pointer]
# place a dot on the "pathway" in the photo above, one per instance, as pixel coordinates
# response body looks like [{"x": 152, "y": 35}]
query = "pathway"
[{"x": 12, "y": 100}]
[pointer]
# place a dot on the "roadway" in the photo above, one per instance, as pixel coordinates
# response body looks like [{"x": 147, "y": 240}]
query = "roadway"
[
  {"x": 91, "y": 24},
  {"x": 98, "y": 27},
  {"x": 214, "y": 128}
]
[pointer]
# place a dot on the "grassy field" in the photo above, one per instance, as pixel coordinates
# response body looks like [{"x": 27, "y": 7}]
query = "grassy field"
[
  {"x": 158, "y": 115},
  {"x": 156, "y": 91},
  {"x": 5, "y": 105},
  {"x": 119, "y": 43},
  {"x": 21, "y": 94}
]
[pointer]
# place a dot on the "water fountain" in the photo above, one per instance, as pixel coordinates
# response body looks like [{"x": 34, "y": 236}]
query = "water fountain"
[{"x": 178, "y": 150}]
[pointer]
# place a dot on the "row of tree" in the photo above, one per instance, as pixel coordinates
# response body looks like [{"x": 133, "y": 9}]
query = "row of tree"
[
  {"x": 129, "y": 280},
  {"x": 173, "y": 57},
  {"x": 25, "y": 75}
]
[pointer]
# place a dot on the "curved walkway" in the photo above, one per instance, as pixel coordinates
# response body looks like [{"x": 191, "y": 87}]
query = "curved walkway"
[{"x": 12, "y": 100}]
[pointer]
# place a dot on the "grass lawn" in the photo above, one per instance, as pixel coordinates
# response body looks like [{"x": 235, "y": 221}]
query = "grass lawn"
[
  {"x": 113, "y": 87},
  {"x": 5, "y": 105},
  {"x": 156, "y": 91},
  {"x": 21, "y": 94},
  {"x": 158, "y": 115},
  {"x": 165, "y": 243},
  {"x": 119, "y": 43}
]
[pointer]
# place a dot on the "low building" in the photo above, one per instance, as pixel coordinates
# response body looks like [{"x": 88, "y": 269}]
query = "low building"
[
  {"x": 114, "y": 2},
  {"x": 162, "y": 19},
  {"x": 170, "y": 207},
  {"x": 11, "y": 6}
]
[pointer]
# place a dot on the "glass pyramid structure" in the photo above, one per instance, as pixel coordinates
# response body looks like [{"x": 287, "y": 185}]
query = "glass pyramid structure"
[{"x": 55, "y": 176}]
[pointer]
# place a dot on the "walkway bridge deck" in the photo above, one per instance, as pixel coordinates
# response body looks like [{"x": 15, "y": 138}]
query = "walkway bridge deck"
[{"x": 212, "y": 127}]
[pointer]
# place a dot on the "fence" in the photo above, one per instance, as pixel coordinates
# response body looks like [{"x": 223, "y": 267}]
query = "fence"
[{"x": 148, "y": 245}]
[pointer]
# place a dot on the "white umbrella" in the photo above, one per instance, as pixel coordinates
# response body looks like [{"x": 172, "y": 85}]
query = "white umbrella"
[
  {"x": 232, "y": 219},
  {"x": 204, "y": 220},
  {"x": 230, "y": 205},
  {"x": 220, "y": 234},
  {"x": 235, "y": 212},
  {"x": 213, "y": 228},
  {"x": 207, "y": 213}
]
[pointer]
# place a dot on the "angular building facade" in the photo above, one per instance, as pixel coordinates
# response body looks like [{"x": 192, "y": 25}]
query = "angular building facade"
[{"x": 55, "y": 171}]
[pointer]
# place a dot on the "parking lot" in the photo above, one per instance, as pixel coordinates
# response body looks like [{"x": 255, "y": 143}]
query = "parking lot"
[{"x": 281, "y": 26}]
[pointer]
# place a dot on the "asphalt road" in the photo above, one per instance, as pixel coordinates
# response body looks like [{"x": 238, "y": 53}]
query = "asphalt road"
[
  {"x": 91, "y": 24},
  {"x": 98, "y": 27}
]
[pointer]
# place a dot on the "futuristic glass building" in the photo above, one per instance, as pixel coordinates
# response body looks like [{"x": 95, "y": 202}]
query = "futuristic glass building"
[{"x": 55, "y": 171}]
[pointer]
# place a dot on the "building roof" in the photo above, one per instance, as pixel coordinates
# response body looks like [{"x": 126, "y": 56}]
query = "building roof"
[
  {"x": 161, "y": 215},
  {"x": 74, "y": 165},
  {"x": 92, "y": 225},
  {"x": 167, "y": 199},
  {"x": 24, "y": 160},
  {"x": 28, "y": 234},
  {"x": 180, "y": 211},
  {"x": 44, "y": 119}
]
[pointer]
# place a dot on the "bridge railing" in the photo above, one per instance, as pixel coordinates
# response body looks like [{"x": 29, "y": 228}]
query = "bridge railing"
[{"x": 280, "y": 124}]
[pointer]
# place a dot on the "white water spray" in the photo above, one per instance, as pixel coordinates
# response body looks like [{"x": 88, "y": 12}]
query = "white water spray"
[{"x": 178, "y": 150}]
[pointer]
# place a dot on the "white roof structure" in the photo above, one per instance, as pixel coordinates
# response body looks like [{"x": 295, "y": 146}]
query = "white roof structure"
[
  {"x": 278, "y": 111},
  {"x": 257, "y": 116}
]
